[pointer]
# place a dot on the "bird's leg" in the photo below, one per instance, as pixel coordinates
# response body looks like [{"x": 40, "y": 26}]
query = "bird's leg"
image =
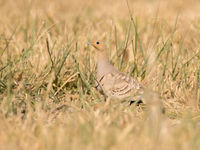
[
  {"x": 137, "y": 102},
  {"x": 107, "y": 103}
]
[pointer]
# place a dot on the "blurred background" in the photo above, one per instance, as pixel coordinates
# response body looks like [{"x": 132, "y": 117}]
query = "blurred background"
[{"x": 47, "y": 74}]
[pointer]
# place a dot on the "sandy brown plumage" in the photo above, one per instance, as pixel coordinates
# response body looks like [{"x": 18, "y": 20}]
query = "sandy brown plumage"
[{"x": 113, "y": 83}]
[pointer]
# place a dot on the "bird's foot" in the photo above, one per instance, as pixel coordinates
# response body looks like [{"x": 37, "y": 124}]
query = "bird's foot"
[{"x": 137, "y": 102}]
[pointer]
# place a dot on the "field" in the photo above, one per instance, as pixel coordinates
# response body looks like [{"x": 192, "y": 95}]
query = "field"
[{"x": 47, "y": 74}]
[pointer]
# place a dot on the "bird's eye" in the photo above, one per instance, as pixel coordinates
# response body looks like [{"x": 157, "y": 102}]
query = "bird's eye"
[{"x": 97, "y": 42}]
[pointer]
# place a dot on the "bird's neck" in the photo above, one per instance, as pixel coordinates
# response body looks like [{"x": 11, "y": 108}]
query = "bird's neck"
[
  {"x": 102, "y": 57},
  {"x": 103, "y": 65}
]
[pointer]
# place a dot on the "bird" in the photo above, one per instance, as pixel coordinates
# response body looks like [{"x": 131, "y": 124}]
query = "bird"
[{"x": 113, "y": 83}]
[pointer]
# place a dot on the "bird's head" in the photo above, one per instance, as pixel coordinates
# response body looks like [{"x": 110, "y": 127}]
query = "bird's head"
[{"x": 99, "y": 45}]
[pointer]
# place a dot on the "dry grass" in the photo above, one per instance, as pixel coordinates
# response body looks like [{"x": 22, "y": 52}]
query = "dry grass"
[{"x": 47, "y": 73}]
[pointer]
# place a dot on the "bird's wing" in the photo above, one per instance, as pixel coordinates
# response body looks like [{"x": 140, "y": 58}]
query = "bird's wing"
[{"x": 119, "y": 85}]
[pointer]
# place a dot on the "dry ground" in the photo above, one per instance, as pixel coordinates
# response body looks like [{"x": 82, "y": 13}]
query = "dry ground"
[{"x": 47, "y": 73}]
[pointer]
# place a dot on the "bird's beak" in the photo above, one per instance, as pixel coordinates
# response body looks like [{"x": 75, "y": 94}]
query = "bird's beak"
[{"x": 88, "y": 42}]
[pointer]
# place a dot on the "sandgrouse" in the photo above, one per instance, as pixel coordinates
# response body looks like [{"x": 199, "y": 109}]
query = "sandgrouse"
[{"x": 114, "y": 84}]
